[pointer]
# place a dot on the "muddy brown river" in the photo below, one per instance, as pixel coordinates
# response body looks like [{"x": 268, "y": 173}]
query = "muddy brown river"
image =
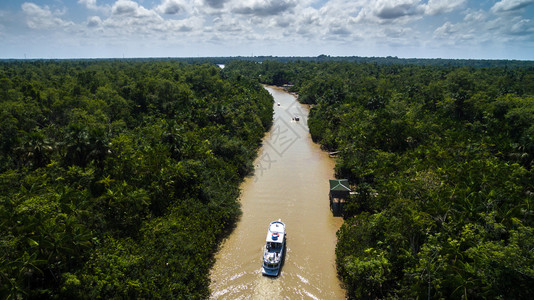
[{"x": 290, "y": 183}]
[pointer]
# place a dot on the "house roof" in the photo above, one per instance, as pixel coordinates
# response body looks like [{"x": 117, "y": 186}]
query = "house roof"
[{"x": 339, "y": 185}]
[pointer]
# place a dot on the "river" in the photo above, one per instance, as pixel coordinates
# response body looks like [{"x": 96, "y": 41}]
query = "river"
[{"x": 290, "y": 183}]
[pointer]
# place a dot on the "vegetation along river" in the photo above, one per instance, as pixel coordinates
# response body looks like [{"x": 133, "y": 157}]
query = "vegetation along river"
[{"x": 290, "y": 183}]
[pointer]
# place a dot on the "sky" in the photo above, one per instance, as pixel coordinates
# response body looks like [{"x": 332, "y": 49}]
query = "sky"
[{"x": 463, "y": 29}]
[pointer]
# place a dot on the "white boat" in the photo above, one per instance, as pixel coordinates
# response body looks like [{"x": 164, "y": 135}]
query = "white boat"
[{"x": 275, "y": 245}]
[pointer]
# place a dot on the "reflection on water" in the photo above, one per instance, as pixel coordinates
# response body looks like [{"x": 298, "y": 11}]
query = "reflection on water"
[{"x": 290, "y": 183}]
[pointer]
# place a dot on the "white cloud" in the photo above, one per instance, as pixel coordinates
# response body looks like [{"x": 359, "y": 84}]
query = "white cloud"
[
  {"x": 510, "y": 5},
  {"x": 269, "y": 19},
  {"x": 483, "y": 28},
  {"x": 393, "y": 9},
  {"x": 171, "y": 7},
  {"x": 263, "y": 8},
  {"x": 436, "y": 7},
  {"x": 129, "y": 9},
  {"x": 38, "y": 17},
  {"x": 227, "y": 25},
  {"x": 125, "y": 7},
  {"x": 523, "y": 27},
  {"x": 234, "y": 24},
  {"x": 281, "y": 22},
  {"x": 380, "y": 12},
  {"x": 94, "y": 21},
  {"x": 395, "y": 33},
  {"x": 339, "y": 29},
  {"x": 446, "y": 30},
  {"x": 307, "y": 24},
  {"x": 215, "y": 3},
  {"x": 91, "y": 4},
  {"x": 128, "y": 18},
  {"x": 479, "y": 16}
]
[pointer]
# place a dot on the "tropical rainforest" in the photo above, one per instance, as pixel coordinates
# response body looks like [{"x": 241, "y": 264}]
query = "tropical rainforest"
[
  {"x": 119, "y": 178},
  {"x": 441, "y": 161}
]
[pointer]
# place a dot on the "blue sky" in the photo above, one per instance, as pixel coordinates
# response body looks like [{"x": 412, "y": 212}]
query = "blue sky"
[{"x": 502, "y": 29}]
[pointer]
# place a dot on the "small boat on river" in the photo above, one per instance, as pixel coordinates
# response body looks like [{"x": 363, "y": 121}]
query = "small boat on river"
[{"x": 275, "y": 244}]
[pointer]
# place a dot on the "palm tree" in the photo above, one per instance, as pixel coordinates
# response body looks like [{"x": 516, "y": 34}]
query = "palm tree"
[{"x": 35, "y": 149}]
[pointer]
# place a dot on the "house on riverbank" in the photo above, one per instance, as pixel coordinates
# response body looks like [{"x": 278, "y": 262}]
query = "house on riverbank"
[{"x": 339, "y": 192}]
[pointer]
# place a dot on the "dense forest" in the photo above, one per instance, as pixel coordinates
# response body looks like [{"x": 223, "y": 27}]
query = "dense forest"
[
  {"x": 119, "y": 178},
  {"x": 388, "y": 61},
  {"x": 441, "y": 158}
]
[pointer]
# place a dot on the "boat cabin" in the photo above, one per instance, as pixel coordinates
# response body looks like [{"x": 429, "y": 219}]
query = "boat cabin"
[{"x": 272, "y": 246}]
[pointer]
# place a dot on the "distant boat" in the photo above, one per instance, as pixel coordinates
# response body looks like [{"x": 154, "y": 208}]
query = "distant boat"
[{"x": 273, "y": 252}]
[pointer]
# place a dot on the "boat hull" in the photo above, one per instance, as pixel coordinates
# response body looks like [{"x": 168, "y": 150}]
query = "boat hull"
[{"x": 270, "y": 272}]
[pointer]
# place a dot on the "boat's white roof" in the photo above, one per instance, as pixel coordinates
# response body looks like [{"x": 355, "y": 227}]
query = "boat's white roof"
[{"x": 280, "y": 228}]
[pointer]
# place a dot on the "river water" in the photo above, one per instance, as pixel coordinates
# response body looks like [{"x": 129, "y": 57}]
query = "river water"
[{"x": 290, "y": 183}]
